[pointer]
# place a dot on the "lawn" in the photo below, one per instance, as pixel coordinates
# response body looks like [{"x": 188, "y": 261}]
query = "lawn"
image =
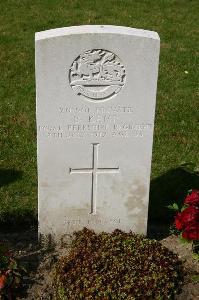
[{"x": 176, "y": 138}]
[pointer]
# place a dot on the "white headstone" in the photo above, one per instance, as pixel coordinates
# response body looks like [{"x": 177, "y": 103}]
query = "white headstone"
[{"x": 96, "y": 91}]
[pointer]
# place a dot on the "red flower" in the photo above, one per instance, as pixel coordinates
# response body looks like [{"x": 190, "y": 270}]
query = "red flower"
[
  {"x": 186, "y": 217},
  {"x": 178, "y": 221},
  {"x": 191, "y": 232},
  {"x": 193, "y": 198},
  {"x": 2, "y": 281}
]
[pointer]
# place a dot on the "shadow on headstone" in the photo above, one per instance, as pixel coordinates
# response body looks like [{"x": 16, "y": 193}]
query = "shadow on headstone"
[
  {"x": 7, "y": 176},
  {"x": 171, "y": 187}
]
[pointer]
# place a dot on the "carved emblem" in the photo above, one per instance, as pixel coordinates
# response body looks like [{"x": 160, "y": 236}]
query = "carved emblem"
[{"x": 97, "y": 74}]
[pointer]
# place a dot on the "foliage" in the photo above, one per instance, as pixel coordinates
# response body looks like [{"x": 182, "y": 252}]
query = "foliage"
[
  {"x": 191, "y": 167},
  {"x": 117, "y": 266},
  {"x": 195, "y": 278},
  {"x": 187, "y": 217},
  {"x": 10, "y": 273},
  {"x": 186, "y": 222}
]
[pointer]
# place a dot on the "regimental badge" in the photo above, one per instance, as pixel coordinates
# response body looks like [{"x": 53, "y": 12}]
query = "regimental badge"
[{"x": 97, "y": 74}]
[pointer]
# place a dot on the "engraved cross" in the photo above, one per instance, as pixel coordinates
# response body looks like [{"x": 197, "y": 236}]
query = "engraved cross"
[{"x": 94, "y": 171}]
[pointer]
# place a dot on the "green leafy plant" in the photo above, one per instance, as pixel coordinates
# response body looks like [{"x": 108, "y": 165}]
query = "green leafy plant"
[
  {"x": 190, "y": 167},
  {"x": 186, "y": 223},
  {"x": 10, "y": 273},
  {"x": 117, "y": 265}
]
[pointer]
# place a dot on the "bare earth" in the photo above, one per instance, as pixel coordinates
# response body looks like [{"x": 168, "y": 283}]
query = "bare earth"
[{"x": 39, "y": 263}]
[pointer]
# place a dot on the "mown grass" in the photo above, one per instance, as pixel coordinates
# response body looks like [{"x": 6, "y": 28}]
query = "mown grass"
[{"x": 177, "y": 116}]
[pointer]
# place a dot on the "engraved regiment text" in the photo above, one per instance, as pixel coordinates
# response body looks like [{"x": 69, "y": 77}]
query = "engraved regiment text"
[{"x": 78, "y": 122}]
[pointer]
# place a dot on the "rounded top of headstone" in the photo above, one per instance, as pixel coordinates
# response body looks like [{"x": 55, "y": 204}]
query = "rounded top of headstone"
[{"x": 85, "y": 29}]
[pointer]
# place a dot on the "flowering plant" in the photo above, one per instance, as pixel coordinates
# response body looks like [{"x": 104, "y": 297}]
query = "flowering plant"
[
  {"x": 9, "y": 273},
  {"x": 186, "y": 219}
]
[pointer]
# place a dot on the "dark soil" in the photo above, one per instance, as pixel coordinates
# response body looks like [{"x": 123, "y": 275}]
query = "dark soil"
[{"x": 40, "y": 262}]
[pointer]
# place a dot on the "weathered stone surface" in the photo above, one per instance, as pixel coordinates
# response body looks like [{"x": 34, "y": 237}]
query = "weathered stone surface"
[{"x": 96, "y": 90}]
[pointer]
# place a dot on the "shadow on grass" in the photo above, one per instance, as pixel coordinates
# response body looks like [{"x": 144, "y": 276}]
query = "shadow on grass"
[
  {"x": 18, "y": 223},
  {"x": 165, "y": 190},
  {"x": 7, "y": 176},
  {"x": 11, "y": 221}
]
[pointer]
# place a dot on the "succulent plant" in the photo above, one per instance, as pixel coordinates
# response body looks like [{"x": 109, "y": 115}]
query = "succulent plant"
[{"x": 117, "y": 265}]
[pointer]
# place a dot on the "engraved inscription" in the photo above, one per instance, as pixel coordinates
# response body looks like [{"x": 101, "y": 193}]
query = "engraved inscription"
[
  {"x": 79, "y": 221},
  {"x": 94, "y": 171},
  {"x": 97, "y": 74},
  {"x": 95, "y": 122},
  {"x": 97, "y": 110},
  {"x": 79, "y": 131}
]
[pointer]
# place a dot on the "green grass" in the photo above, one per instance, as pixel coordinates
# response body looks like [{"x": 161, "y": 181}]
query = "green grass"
[{"x": 177, "y": 116}]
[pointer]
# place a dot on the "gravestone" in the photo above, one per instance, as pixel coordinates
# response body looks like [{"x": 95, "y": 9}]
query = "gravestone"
[{"x": 96, "y": 91}]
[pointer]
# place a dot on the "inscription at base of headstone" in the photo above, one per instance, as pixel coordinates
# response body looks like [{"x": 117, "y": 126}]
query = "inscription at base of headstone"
[{"x": 96, "y": 91}]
